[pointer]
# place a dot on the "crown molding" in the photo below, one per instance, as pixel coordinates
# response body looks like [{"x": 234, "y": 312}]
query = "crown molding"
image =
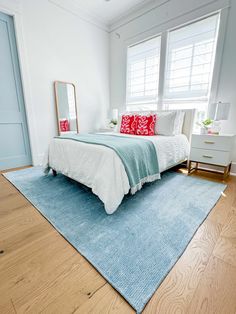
[
  {"x": 131, "y": 14},
  {"x": 135, "y": 12},
  {"x": 73, "y": 8},
  {"x": 12, "y": 6}
]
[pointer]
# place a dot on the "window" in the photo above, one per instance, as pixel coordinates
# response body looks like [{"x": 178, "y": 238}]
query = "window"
[
  {"x": 190, "y": 60},
  {"x": 143, "y": 74},
  {"x": 187, "y": 68}
]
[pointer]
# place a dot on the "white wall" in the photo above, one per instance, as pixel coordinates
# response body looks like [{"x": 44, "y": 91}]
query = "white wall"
[
  {"x": 227, "y": 81},
  {"x": 168, "y": 15},
  {"x": 57, "y": 45}
]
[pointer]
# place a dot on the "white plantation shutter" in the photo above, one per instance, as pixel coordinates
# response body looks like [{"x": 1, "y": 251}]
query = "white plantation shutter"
[
  {"x": 190, "y": 60},
  {"x": 143, "y": 72}
]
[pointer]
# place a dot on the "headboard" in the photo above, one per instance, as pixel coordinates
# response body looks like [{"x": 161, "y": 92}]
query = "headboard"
[{"x": 189, "y": 122}]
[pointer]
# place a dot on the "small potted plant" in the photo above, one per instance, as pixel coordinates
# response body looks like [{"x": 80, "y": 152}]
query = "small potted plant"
[
  {"x": 112, "y": 123},
  {"x": 205, "y": 126}
]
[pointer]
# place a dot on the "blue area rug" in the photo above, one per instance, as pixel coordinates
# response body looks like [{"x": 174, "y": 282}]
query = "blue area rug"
[{"x": 135, "y": 248}]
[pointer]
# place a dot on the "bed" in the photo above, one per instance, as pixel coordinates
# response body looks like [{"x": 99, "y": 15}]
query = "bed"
[{"x": 101, "y": 168}]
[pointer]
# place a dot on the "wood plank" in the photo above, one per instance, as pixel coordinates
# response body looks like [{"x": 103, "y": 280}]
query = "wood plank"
[
  {"x": 7, "y": 307},
  {"x": 217, "y": 290},
  {"x": 225, "y": 248},
  {"x": 229, "y": 230},
  {"x": 6, "y": 187},
  {"x": 16, "y": 242},
  {"x": 32, "y": 258},
  {"x": 224, "y": 208},
  {"x": 23, "y": 223},
  {"x": 11, "y": 204},
  {"x": 73, "y": 281},
  {"x": 105, "y": 300},
  {"x": 41, "y": 271},
  {"x": 176, "y": 291}
]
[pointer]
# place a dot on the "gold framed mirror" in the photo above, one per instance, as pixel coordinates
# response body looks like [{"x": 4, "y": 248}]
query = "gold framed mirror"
[{"x": 66, "y": 107}]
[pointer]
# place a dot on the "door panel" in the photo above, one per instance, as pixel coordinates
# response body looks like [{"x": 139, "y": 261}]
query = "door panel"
[
  {"x": 15, "y": 135},
  {"x": 14, "y": 139},
  {"x": 7, "y": 78}
]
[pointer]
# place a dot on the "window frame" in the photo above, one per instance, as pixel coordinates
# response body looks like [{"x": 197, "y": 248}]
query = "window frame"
[
  {"x": 207, "y": 97},
  {"x": 162, "y": 104},
  {"x": 127, "y": 103}
]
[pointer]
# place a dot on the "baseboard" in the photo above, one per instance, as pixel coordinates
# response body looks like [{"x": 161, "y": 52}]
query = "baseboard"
[
  {"x": 233, "y": 169},
  {"x": 38, "y": 160}
]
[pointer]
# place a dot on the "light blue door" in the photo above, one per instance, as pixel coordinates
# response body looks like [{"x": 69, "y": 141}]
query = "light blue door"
[{"x": 14, "y": 139}]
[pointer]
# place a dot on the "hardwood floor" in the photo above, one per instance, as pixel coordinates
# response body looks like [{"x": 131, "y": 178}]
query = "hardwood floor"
[{"x": 41, "y": 272}]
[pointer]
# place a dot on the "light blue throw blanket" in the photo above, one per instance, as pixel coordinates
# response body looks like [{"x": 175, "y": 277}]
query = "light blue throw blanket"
[{"x": 138, "y": 155}]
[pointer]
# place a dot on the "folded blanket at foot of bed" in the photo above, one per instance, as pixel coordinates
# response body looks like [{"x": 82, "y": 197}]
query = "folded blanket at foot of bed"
[{"x": 138, "y": 155}]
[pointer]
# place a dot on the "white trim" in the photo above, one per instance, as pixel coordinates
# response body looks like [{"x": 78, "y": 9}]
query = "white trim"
[
  {"x": 223, "y": 13},
  {"x": 174, "y": 21},
  {"x": 198, "y": 96},
  {"x": 10, "y": 7},
  {"x": 136, "y": 12},
  {"x": 90, "y": 17},
  {"x": 39, "y": 159},
  {"x": 73, "y": 8},
  {"x": 109, "y": 26},
  {"x": 162, "y": 70},
  {"x": 13, "y": 9},
  {"x": 218, "y": 57},
  {"x": 233, "y": 169}
]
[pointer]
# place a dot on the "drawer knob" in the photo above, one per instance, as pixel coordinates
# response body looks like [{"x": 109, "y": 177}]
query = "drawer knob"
[
  {"x": 209, "y": 142},
  {"x": 207, "y": 156}
]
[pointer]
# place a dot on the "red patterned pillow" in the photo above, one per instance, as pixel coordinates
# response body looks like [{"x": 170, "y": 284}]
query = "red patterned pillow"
[
  {"x": 145, "y": 125},
  {"x": 128, "y": 124},
  {"x": 64, "y": 125}
]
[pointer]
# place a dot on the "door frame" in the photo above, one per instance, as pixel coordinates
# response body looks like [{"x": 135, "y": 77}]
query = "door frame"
[{"x": 12, "y": 8}]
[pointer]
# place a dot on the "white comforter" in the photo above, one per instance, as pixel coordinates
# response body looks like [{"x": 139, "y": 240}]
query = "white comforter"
[{"x": 101, "y": 169}]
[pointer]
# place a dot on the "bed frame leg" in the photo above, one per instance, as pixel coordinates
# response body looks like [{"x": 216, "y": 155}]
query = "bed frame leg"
[{"x": 54, "y": 173}]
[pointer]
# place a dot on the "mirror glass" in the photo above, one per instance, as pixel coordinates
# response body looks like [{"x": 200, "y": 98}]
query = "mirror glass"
[{"x": 66, "y": 107}]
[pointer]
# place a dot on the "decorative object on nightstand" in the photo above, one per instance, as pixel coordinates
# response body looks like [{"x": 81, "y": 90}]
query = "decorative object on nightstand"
[
  {"x": 212, "y": 150},
  {"x": 220, "y": 112},
  {"x": 113, "y": 122},
  {"x": 205, "y": 125}
]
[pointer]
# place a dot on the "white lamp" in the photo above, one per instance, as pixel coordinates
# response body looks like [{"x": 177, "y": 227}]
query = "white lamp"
[
  {"x": 221, "y": 112},
  {"x": 114, "y": 119},
  {"x": 115, "y": 114}
]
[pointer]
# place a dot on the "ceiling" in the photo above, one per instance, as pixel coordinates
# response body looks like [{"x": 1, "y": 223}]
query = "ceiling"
[{"x": 109, "y": 11}]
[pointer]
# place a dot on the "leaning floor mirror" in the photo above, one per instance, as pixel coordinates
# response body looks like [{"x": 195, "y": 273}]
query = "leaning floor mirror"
[{"x": 66, "y": 107}]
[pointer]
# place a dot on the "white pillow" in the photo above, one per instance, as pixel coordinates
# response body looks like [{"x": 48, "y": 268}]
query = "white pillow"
[{"x": 165, "y": 124}]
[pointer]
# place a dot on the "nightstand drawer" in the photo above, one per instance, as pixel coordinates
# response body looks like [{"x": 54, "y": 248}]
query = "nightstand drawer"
[
  {"x": 222, "y": 143},
  {"x": 213, "y": 157}
]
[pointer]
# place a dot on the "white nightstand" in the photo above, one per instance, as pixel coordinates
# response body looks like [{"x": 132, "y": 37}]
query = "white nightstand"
[{"x": 212, "y": 150}]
